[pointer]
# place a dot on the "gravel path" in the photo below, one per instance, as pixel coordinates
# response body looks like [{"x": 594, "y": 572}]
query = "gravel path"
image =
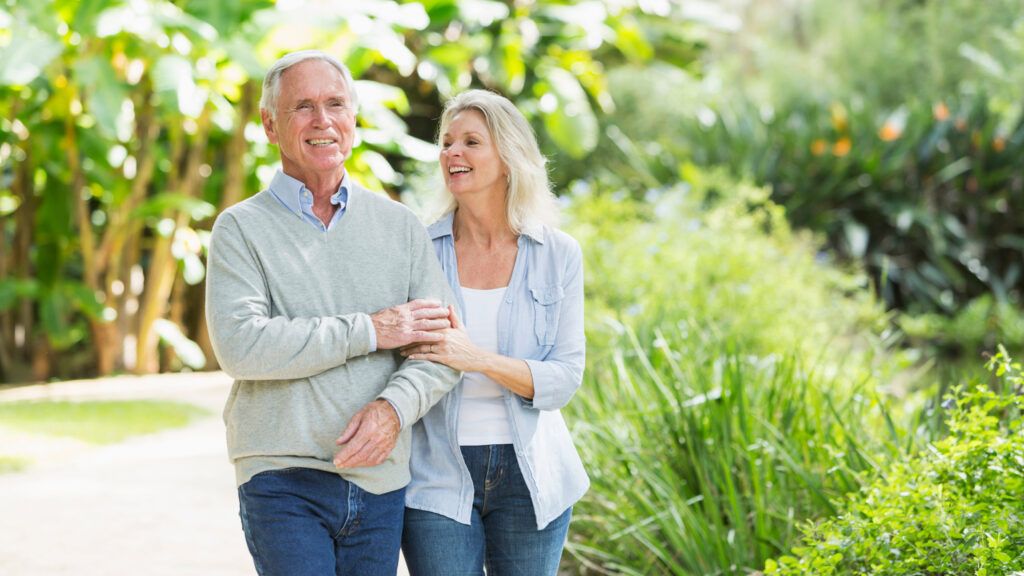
[{"x": 161, "y": 504}]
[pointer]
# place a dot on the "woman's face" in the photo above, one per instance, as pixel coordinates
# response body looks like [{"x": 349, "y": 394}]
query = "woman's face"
[{"x": 469, "y": 157}]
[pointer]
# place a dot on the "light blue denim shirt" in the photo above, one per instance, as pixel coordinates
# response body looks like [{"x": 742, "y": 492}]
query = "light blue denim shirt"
[{"x": 540, "y": 321}]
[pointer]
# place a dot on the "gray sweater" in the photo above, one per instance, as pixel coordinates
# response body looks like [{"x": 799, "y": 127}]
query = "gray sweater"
[{"x": 288, "y": 311}]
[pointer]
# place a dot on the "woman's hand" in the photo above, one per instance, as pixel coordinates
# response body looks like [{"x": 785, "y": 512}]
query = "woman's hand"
[{"x": 455, "y": 350}]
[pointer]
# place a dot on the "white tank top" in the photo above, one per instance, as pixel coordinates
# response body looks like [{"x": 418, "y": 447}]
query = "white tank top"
[{"x": 483, "y": 417}]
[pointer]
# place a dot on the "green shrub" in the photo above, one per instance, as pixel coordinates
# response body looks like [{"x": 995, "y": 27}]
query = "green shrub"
[
  {"x": 705, "y": 459},
  {"x": 956, "y": 508},
  {"x": 730, "y": 386},
  {"x": 893, "y": 129},
  {"x": 716, "y": 255}
]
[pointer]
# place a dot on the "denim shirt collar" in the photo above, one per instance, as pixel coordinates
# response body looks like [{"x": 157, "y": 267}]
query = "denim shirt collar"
[
  {"x": 443, "y": 227},
  {"x": 289, "y": 190}
]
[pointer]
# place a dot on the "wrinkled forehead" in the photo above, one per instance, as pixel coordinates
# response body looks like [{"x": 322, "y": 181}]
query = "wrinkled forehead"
[{"x": 313, "y": 79}]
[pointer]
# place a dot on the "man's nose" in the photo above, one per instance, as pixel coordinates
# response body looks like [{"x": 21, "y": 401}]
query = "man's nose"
[{"x": 320, "y": 116}]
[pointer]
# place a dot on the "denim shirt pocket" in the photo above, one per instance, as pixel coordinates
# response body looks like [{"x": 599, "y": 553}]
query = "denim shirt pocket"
[{"x": 547, "y": 305}]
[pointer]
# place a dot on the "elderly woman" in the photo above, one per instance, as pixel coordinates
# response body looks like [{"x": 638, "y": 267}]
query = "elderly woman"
[{"x": 494, "y": 471}]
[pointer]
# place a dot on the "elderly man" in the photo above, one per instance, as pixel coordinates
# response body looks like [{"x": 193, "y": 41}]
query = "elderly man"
[{"x": 312, "y": 284}]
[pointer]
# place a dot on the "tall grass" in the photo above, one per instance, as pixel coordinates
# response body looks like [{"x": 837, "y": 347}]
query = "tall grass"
[{"x": 705, "y": 459}]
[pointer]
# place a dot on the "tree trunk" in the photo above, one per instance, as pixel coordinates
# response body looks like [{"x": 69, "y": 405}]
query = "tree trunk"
[
  {"x": 6, "y": 322},
  {"x": 163, "y": 266},
  {"x": 24, "y": 227}
]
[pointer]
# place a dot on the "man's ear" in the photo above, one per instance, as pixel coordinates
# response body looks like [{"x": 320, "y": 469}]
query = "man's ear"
[{"x": 269, "y": 127}]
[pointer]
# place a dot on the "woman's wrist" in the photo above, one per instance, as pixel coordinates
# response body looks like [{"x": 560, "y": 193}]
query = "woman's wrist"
[{"x": 481, "y": 361}]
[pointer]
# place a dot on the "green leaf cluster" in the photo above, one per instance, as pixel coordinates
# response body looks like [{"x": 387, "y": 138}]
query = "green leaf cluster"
[{"x": 955, "y": 508}]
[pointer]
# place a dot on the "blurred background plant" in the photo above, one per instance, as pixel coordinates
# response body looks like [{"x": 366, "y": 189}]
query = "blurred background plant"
[{"x": 799, "y": 217}]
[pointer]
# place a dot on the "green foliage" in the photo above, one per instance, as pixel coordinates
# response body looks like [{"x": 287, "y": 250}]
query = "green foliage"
[
  {"x": 955, "y": 508},
  {"x": 730, "y": 387},
  {"x": 10, "y": 464},
  {"x": 105, "y": 422},
  {"x": 977, "y": 326},
  {"x": 720, "y": 255},
  {"x": 126, "y": 126},
  {"x": 894, "y": 129}
]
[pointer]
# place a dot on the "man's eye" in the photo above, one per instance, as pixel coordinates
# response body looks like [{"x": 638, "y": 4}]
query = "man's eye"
[{"x": 304, "y": 106}]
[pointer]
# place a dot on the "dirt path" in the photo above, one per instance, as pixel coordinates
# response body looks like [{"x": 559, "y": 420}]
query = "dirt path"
[{"x": 162, "y": 504}]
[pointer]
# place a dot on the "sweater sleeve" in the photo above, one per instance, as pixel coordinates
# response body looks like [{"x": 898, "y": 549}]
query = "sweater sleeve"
[
  {"x": 560, "y": 374},
  {"x": 418, "y": 384},
  {"x": 249, "y": 343}
]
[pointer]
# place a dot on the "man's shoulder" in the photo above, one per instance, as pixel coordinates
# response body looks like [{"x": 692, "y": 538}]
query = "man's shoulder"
[
  {"x": 379, "y": 205},
  {"x": 255, "y": 204}
]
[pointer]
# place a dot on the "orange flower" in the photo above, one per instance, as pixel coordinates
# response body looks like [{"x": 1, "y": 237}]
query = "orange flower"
[
  {"x": 818, "y": 147},
  {"x": 890, "y": 131},
  {"x": 999, "y": 144},
  {"x": 940, "y": 111},
  {"x": 842, "y": 147}
]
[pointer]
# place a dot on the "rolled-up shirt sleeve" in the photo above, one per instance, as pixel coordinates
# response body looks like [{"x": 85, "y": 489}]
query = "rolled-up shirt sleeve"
[{"x": 557, "y": 377}]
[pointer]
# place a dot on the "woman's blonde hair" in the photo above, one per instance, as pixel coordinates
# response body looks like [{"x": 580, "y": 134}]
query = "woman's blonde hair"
[{"x": 528, "y": 198}]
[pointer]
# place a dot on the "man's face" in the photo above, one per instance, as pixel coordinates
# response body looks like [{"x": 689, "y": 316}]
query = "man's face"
[{"x": 315, "y": 122}]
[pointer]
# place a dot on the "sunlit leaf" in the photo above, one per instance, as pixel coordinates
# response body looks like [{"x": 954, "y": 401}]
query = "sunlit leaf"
[
  {"x": 186, "y": 350},
  {"x": 23, "y": 59},
  {"x": 162, "y": 203},
  {"x": 104, "y": 92},
  {"x": 193, "y": 270},
  {"x": 566, "y": 111},
  {"x": 378, "y": 94},
  {"x": 14, "y": 289}
]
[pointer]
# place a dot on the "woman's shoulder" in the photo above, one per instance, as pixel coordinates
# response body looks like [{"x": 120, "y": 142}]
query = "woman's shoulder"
[{"x": 557, "y": 241}]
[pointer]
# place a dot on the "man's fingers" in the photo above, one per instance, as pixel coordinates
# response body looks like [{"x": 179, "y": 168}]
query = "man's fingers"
[
  {"x": 439, "y": 324},
  {"x": 427, "y": 337},
  {"x": 431, "y": 313},
  {"x": 422, "y": 303},
  {"x": 350, "y": 430}
]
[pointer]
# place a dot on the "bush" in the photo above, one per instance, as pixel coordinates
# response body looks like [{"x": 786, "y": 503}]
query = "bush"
[
  {"x": 730, "y": 387},
  {"x": 714, "y": 255},
  {"x": 893, "y": 129},
  {"x": 954, "y": 509}
]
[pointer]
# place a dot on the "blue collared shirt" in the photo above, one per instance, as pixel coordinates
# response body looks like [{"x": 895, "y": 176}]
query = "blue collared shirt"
[
  {"x": 298, "y": 199},
  {"x": 541, "y": 321}
]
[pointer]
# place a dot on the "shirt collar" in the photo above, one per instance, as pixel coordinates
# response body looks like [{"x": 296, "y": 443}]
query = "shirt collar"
[
  {"x": 289, "y": 191},
  {"x": 443, "y": 227}
]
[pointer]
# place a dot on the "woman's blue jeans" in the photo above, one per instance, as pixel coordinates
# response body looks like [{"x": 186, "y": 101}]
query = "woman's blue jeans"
[
  {"x": 305, "y": 522},
  {"x": 502, "y": 534}
]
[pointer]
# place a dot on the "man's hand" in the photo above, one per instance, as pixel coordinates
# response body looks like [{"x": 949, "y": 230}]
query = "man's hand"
[
  {"x": 415, "y": 321},
  {"x": 369, "y": 437}
]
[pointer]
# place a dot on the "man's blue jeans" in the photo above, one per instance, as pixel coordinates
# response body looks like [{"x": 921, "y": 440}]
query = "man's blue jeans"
[
  {"x": 502, "y": 533},
  {"x": 304, "y": 522}
]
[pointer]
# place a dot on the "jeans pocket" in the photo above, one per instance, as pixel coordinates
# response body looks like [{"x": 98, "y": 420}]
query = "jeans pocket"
[{"x": 547, "y": 305}]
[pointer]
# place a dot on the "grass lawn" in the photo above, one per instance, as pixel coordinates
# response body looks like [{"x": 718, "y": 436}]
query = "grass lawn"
[
  {"x": 105, "y": 422},
  {"x": 12, "y": 464}
]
